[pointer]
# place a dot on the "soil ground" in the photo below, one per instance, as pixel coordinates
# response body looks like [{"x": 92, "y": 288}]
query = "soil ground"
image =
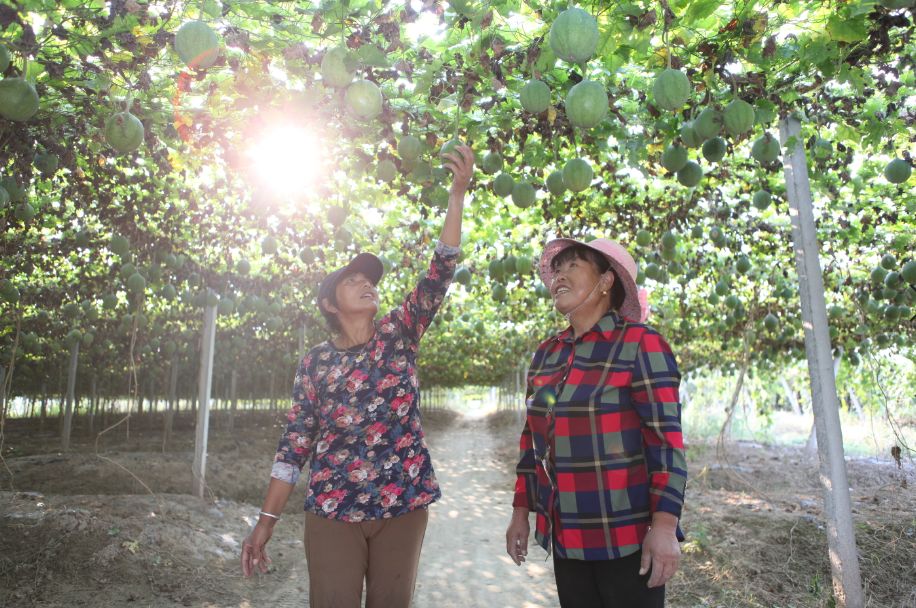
[{"x": 111, "y": 525}]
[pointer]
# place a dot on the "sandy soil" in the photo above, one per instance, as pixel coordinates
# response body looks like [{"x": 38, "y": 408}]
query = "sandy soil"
[{"x": 78, "y": 529}]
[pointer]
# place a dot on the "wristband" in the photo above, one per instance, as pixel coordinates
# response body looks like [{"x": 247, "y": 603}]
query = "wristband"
[{"x": 270, "y": 515}]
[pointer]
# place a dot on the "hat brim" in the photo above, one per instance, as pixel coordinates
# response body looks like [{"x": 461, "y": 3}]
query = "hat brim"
[{"x": 630, "y": 307}]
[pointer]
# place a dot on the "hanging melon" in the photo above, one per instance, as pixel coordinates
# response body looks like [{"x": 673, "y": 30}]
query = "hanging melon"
[
  {"x": 689, "y": 136},
  {"x": 674, "y": 157},
  {"x": 535, "y": 96},
  {"x": 738, "y": 117},
  {"x": 897, "y": 171},
  {"x": 386, "y": 171},
  {"x": 492, "y": 163},
  {"x": 762, "y": 199},
  {"x": 46, "y": 163},
  {"x": 574, "y": 36},
  {"x": 269, "y": 245},
  {"x": 714, "y": 149},
  {"x": 586, "y": 104},
  {"x": 555, "y": 184},
  {"x": 577, "y": 174},
  {"x": 463, "y": 276},
  {"x": 25, "y": 212},
  {"x": 119, "y": 245},
  {"x": 338, "y": 67},
  {"x": 18, "y": 99},
  {"x": 709, "y": 123},
  {"x": 671, "y": 89},
  {"x": 523, "y": 194},
  {"x": 690, "y": 175},
  {"x": 643, "y": 238},
  {"x": 503, "y": 185},
  {"x": 197, "y": 45},
  {"x": 124, "y": 132},
  {"x": 364, "y": 99},
  {"x": 765, "y": 149},
  {"x": 409, "y": 147},
  {"x": 448, "y": 148},
  {"x": 136, "y": 283}
]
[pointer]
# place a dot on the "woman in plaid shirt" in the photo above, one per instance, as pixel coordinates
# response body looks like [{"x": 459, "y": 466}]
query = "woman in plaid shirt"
[{"x": 602, "y": 456}]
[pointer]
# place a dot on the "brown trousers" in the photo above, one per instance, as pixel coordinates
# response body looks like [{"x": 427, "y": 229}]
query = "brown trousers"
[{"x": 384, "y": 552}]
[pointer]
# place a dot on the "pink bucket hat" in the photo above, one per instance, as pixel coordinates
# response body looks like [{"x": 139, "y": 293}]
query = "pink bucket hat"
[{"x": 635, "y": 302}]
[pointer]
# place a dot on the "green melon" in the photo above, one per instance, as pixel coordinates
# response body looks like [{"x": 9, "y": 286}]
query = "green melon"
[
  {"x": 409, "y": 147},
  {"x": 226, "y": 306},
  {"x": 364, "y": 99},
  {"x": 88, "y": 339},
  {"x": 499, "y": 292},
  {"x": 243, "y": 267},
  {"x": 574, "y": 36},
  {"x": 18, "y": 99},
  {"x": 643, "y": 238},
  {"x": 386, "y": 171},
  {"x": 337, "y": 215},
  {"x": 25, "y": 212},
  {"x": 463, "y": 276},
  {"x": 771, "y": 322},
  {"x": 16, "y": 193},
  {"x": 671, "y": 89},
  {"x": 762, "y": 199},
  {"x": 136, "y": 283},
  {"x": 743, "y": 265},
  {"x": 197, "y": 45},
  {"x": 586, "y": 104},
  {"x": 523, "y": 194},
  {"x": 765, "y": 149},
  {"x": 4, "y": 58},
  {"x": 555, "y": 183},
  {"x": 897, "y": 171},
  {"x": 738, "y": 117},
  {"x": 495, "y": 270},
  {"x": 651, "y": 270},
  {"x": 709, "y": 123},
  {"x": 503, "y": 184},
  {"x": 888, "y": 261},
  {"x": 669, "y": 240},
  {"x": 169, "y": 292},
  {"x": 492, "y": 163},
  {"x": 269, "y": 245},
  {"x": 577, "y": 174},
  {"x": 714, "y": 149},
  {"x": 674, "y": 157},
  {"x": 690, "y": 175},
  {"x": 338, "y": 66},
  {"x": 124, "y": 132},
  {"x": 448, "y": 148},
  {"x": 908, "y": 272},
  {"x": 119, "y": 245},
  {"x": 535, "y": 96},
  {"x": 46, "y": 163},
  {"x": 690, "y": 137}
]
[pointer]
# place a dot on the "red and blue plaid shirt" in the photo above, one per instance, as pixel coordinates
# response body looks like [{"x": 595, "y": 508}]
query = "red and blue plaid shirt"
[{"x": 602, "y": 449}]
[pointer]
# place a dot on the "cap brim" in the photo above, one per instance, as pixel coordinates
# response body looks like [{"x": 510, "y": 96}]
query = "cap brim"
[{"x": 367, "y": 264}]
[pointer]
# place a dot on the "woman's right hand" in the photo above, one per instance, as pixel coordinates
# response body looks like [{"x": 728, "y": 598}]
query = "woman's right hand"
[
  {"x": 254, "y": 549},
  {"x": 517, "y": 535}
]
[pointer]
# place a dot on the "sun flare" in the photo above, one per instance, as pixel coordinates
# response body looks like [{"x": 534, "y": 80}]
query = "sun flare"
[{"x": 288, "y": 160}]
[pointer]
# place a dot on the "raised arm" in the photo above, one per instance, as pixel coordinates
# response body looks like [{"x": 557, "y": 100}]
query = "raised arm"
[{"x": 461, "y": 163}]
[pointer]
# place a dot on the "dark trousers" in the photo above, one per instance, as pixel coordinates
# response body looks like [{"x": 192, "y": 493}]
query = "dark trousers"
[{"x": 613, "y": 583}]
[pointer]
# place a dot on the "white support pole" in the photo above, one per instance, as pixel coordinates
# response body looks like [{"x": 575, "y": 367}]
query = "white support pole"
[
  {"x": 71, "y": 394},
  {"x": 844, "y": 564},
  {"x": 205, "y": 383}
]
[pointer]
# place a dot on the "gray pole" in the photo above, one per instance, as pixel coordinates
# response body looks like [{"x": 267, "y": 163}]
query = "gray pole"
[
  {"x": 841, "y": 541},
  {"x": 203, "y": 401},
  {"x": 71, "y": 389}
]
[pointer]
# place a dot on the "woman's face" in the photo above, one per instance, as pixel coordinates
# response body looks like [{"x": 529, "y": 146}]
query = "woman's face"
[
  {"x": 356, "y": 295},
  {"x": 574, "y": 281}
]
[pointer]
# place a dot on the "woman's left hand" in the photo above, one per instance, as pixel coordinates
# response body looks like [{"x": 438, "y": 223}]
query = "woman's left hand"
[
  {"x": 662, "y": 552},
  {"x": 461, "y": 164}
]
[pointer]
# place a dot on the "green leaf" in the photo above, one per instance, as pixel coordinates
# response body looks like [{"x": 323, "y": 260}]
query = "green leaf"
[
  {"x": 700, "y": 9},
  {"x": 843, "y": 29}
]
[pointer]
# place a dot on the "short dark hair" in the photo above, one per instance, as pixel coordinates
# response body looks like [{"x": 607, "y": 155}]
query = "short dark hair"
[{"x": 587, "y": 254}]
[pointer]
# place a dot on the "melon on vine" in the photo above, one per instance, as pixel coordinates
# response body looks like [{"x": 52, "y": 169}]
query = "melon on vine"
[
  {"x": 669, "y": 240},
  {"x": 492, "y": 162},
  {"x": 577, "y": 174},
  {"x": 197, "y": 45},
  {"x": 765, "y": 149},
  {"x": 908, "y": 272},
  {"x": 226, "y": 306},
  {"x": 535, "y": 96},
  {"x": 555, "y": 183},
  {"x": 18, "y": 99},
  {"x": 364, "y": 99},
  {"x": 499, "y": 292},
  {"x": 119, "y": 245},
  {"x": 124, "y": 132},
  {"x": 386, "y": 171},
  {"x": 762, "y": 199},
  {"x": 897, "y": 171},
  {"x": 16, "y": 193},
  {"x": 690, "y": 175},
  {"x": 743, "y": 265},
  {"x": 338, "y": 66},
  {"x": 671, "y": 89},
  {"x": 586, "y": 104},
  {"x": 674, "y": 157},
  {"x": 409, "y": 147},
  {"x": 448, "y": 148},
  {"x": 4, "y": 58},
  {"x": 269, "y": 245},
  {"x": 738, "y": 117},
  {"x": 136, "y": 283},
  {"x": 336, "y": 215},
  {"x": 888, "y": 261},
  {"x": 495, "y": 270},
  {"x": 643, "y": 237},
  {"x": 771, "y": 322},
  {"x": 46, "y": 163},
  {"x": 714, "y": 149},
  {"x": 463, "y": 276},
  {"x": 523, "y": 194},
  {"x": 169, "y": 292},
  {"x": 523, "y": 265},
  {"x": 709, "y": 123},
  {"x": 503, "y": 185},
  {"x": 25, "y": 212},
  {"x": 690, "y": 137},
  {"x": 574, "y": 36}
]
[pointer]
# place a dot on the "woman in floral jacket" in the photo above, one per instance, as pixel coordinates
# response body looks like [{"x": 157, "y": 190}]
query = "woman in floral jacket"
[{"x": 355, "y": 422}]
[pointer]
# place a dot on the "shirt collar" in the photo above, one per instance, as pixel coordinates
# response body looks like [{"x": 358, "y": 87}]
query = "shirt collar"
[{"x": 606, "y": 323}]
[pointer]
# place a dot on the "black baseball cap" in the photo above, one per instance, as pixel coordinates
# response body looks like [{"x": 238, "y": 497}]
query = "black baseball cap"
[{"x": 366, "y": 263}]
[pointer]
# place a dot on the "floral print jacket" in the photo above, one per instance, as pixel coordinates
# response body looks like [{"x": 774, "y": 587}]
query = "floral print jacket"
[{"x": 355, "y": 418}]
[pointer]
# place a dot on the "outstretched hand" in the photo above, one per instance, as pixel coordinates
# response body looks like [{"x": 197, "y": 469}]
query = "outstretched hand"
[{"x": 461, "y": 164}]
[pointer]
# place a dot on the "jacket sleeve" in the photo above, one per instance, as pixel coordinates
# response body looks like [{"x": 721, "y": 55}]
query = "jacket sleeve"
[
  {"x": 416, "y": 313},
  {"x": 655, "y": 396},
  {"x": 296, "y": 443}
]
